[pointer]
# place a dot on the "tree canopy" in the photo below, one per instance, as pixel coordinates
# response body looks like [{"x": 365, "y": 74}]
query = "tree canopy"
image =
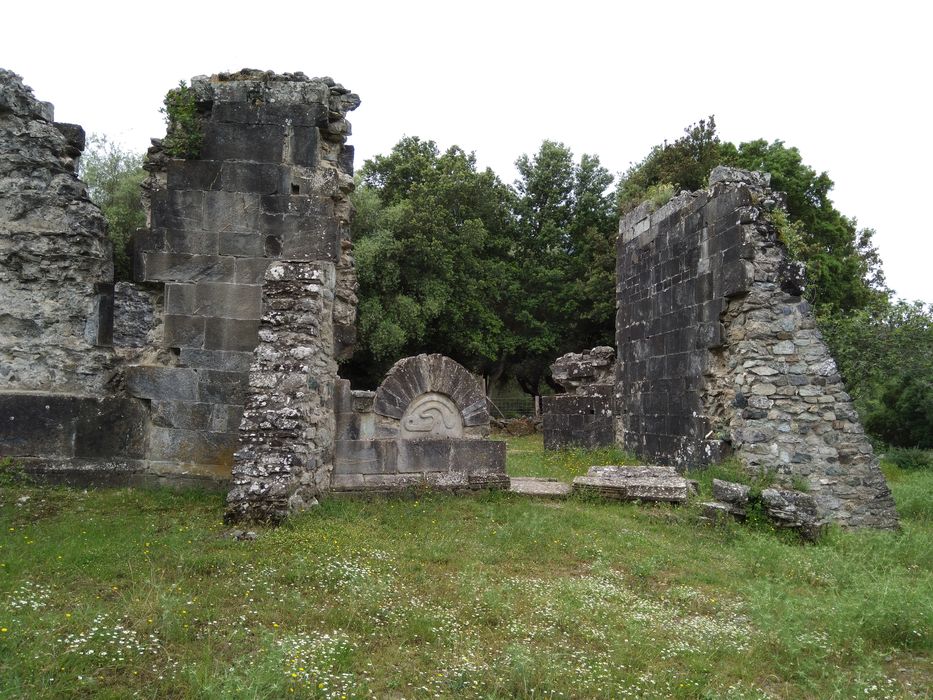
[{"x": 113, "y": 176}]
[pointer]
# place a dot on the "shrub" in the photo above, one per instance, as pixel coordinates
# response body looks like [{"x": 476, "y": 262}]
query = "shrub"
[
  {"x": 910, "y": 458},
  {"x": 185, "y": 132}
]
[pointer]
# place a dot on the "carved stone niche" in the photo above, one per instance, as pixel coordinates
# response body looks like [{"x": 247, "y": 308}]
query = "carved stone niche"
[
  {"x": 428, "y": 396},
  {"x": 425, "y": 426}
]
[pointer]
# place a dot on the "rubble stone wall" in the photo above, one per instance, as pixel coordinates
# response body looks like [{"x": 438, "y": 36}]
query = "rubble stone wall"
[
  {"x": 718, "y": 353},
  {"x": 271, "y": 183},
  {"x": 56, "y": 262}
]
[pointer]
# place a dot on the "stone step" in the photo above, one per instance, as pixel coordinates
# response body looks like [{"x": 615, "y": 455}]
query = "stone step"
[{"x": 668, "y": 489}]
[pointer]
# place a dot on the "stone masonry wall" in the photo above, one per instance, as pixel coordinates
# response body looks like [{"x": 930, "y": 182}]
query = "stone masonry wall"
[
  {"x": 56, "y": 262},
  {"x": 584, "y": 416},
  {"x": 718, "y": 353},
  {"x": 271, "y": 183},
  {"x": 287, "y": 432}
]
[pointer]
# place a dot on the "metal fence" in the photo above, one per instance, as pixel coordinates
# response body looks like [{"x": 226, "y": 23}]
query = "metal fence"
[{"x": 511, "y": 406}]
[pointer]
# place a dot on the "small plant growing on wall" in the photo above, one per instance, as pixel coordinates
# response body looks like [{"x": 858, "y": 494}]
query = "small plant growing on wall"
[{"x": 185, "y": 129}]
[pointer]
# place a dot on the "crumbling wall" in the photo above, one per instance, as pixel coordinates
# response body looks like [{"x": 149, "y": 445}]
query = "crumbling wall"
[
  {"x": 719, "y": 353},
  {"x": 60, "y": 410},
  {"x": 287, "y": 432},
  {"x": 584, "y": 416},
  {"x": 56, "y": 262},
  {"x": 271, "y": 183}
]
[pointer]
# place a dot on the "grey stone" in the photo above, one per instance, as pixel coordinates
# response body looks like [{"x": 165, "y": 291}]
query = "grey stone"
[{"x": 730, "y": 492}]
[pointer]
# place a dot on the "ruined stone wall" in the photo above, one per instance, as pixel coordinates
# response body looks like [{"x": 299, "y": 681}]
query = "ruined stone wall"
[
  {"x": 584, "y": 416},
  {"x": 271, "y": 183},
  {"x": 718, "y": 353},
  {"x": 287, "y": 432},
  {"x": 56, "y": 262}
]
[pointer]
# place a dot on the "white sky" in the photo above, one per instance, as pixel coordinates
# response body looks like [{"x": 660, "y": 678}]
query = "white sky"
[{"x": 848, "y": 83}]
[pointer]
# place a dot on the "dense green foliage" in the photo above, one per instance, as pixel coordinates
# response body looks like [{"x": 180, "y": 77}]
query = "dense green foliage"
[
  {"x": 502, "y": 279},
  {"x": 885, "y": 353},
  {"x": 117, "y": 593},
  {"x": 433, "y": 252},
  {"x": 185, "y": 131},
  {"x": 113, "y": 176},
  {"x": 843, "y": 266}
]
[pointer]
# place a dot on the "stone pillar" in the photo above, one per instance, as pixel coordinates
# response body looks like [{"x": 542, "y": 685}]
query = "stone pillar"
[
  {"x": 287, "y": 432},
  {"x": 271, "y": 182},
  {"x": 718, "y": 352}
]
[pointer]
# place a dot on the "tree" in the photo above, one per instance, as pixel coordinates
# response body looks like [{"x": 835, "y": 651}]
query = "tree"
[
  {"x": 434, "y": 259},
  {"x": 565, "y": 257},
  {"x": 843, "y": 266},
  {"x": 113, "y": 176}
]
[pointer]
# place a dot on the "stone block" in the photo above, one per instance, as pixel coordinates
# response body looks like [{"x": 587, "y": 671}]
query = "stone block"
[
  {"x": 303, "y": 146},
  {"x": 192, "y": 447},
  {"x": 183, "y": 331},
  {"x": 729, "y": 492},
  {"x": 241, "y": 244},
  {"x": 365, "y": 457},
  {"x": 260, "y": 143},
  {"x": 228, "y": 212},
  {"x": 180, "y": 299},
  {"x": 251, "y": 270},
  {"x": 477, "y": 456},
  {"x": 218, "y": 387},
  {"x": 162, "y": 383},
  {"x": 190, "y": 241},
  {"x": 111, "y": 429},
  {"x": 231, "y": 334},
  {"x": 418, "y": 456},
  {"x": 186, "y": 415},
  {"x": 258, "y": 178},
  {"x": 234, "y": 301},
  {"x": 193, "y": 174},
  {"x": 177, "y": 209},
  {"x": 179, "y": 267},
  {"x": 225, "y": 418},
  {"x": 38, "y": 425},
  {"x": 227, "y": 361}
]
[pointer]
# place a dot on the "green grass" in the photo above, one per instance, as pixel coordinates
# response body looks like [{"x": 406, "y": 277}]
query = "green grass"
[
  {"x": 491, "y": 596},
  {"x": 526, "y": 457}
]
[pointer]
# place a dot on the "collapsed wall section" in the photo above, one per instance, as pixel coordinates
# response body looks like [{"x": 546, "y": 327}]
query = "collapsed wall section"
[
  {"x": 56, "y": 262},
  {"x": 270, "y": 183},
  {"x": 718, "y": 353}
]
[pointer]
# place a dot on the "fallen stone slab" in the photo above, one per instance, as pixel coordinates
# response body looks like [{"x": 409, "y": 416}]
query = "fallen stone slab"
[
  {"x": 636, "y": 484},
  {"x": 717, "y": 511},
  {"x": 730, "y": 492},
  {"x": 639, "y": 472},
  {"x": 541, "y": 487},
  {"x": 793, "y": 509}
]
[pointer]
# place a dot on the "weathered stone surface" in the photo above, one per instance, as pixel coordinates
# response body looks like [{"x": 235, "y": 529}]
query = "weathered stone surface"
[
  {"x": 634, "y": 483},
  {"x": 730, "y": 492},
  {"x": 134, "y": 319},
  {"x": 719, "y": 354},
  {"x": 56, "y": 262},
  {"x": 286, "y": 446},
  {"x": 793, "y": 509},
  {"x": 576, "y": 372}
]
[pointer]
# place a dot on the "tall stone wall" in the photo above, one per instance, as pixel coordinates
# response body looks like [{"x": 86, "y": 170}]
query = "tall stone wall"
[
  {"x": 56, "y": 262},
  {"x": 271, "y": 183},
  {"x": 718, "y": 353}
]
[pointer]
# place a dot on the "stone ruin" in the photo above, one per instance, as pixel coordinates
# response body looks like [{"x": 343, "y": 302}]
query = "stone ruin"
[
  {"x": 719, "y": 354},
  {"x": 584, "y": 416},
  {"x": 219, "y": 364}
]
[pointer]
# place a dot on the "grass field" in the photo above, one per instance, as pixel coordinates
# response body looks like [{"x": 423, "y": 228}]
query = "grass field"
[{"x": 121, "y": 593}]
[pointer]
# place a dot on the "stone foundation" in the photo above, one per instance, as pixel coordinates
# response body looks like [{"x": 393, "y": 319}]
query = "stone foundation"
[
  {"x": 584, "y": 416},
  {"x": 719, "y": 354}
]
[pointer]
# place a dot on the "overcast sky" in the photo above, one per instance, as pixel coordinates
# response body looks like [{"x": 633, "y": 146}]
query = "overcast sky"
[{"x": 848, "y": 83}]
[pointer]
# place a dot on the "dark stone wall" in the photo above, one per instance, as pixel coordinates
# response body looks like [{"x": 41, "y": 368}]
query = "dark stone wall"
[
  {"x": 719, "y": 352},
  {"x": 271, "y": 183},
  {"x": 579, "y": 421}
]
